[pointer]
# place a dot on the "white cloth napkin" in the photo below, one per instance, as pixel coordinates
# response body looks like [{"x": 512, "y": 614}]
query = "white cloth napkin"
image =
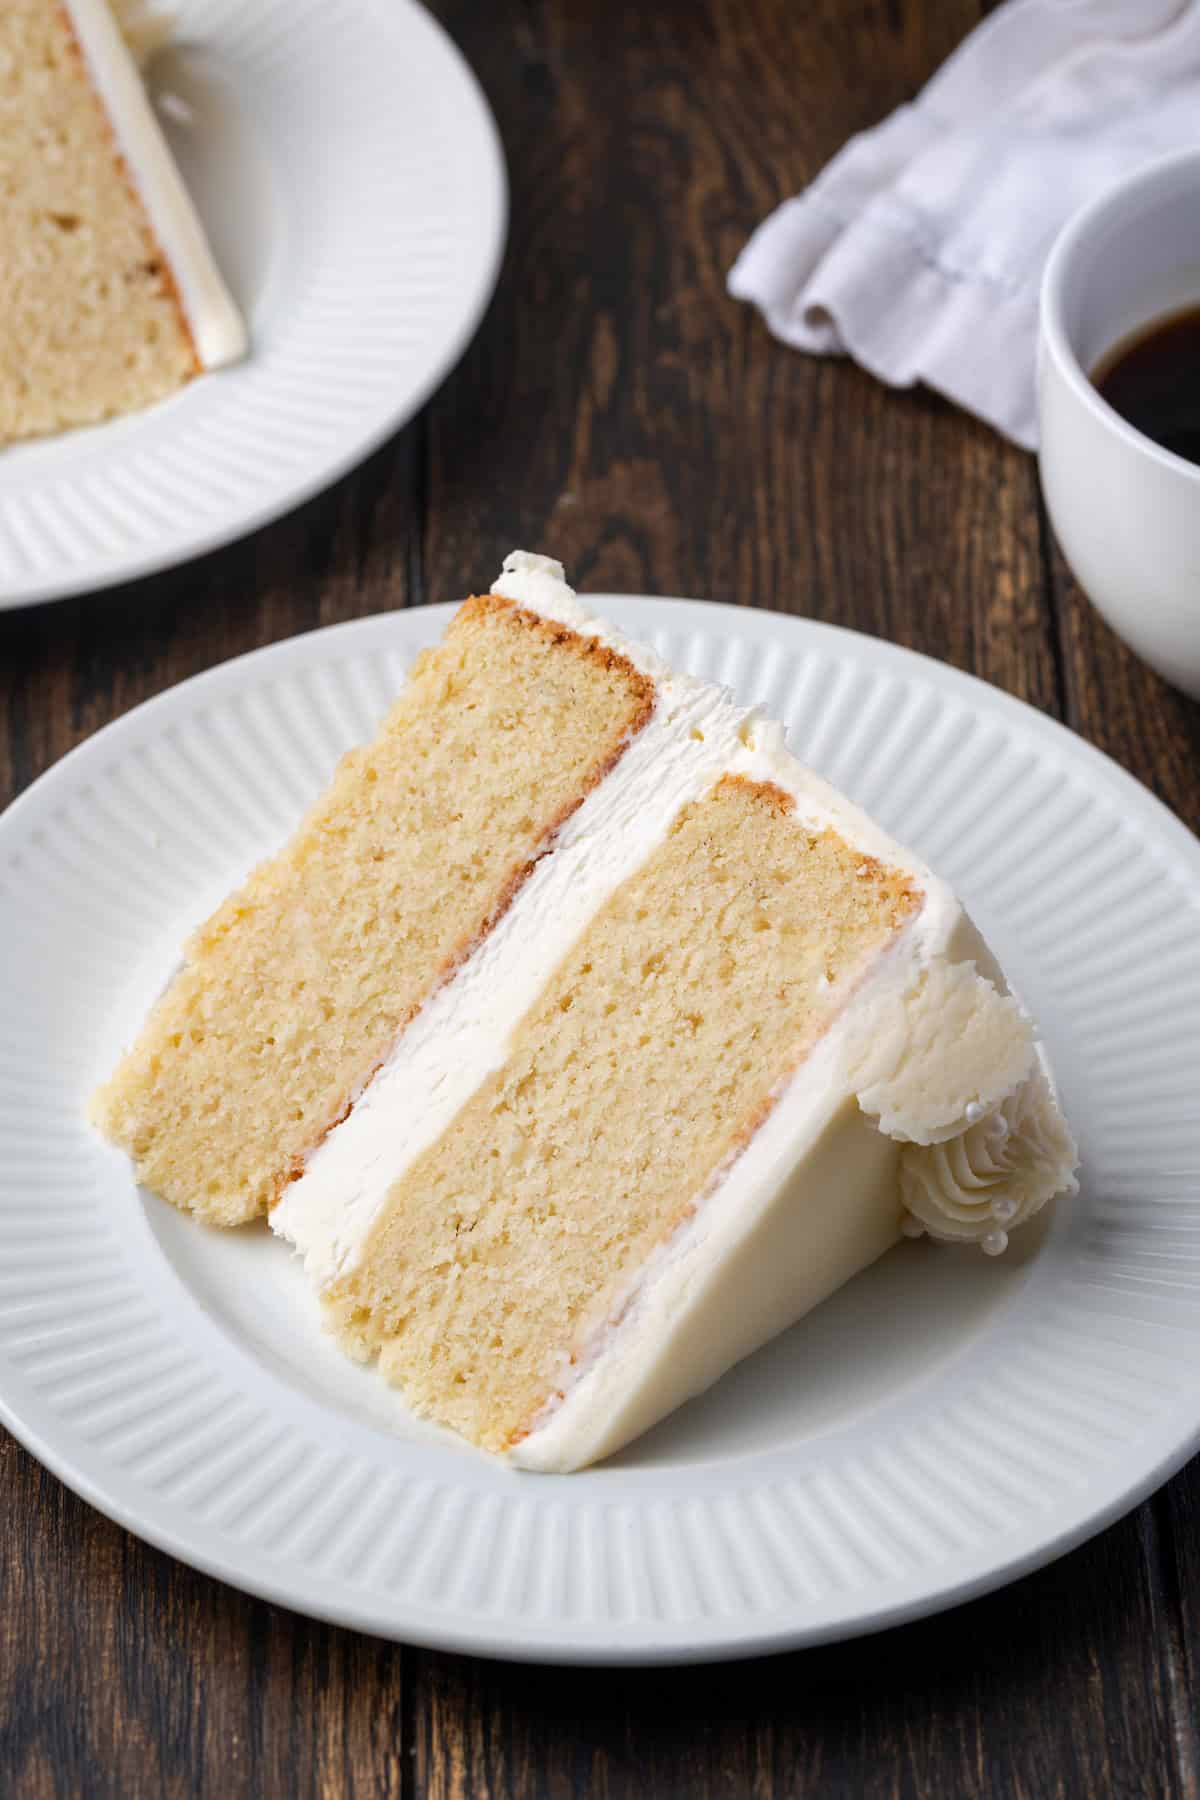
[{"x": 919, "y": 249}]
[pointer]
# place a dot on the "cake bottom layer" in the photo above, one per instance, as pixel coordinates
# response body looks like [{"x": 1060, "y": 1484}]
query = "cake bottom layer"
[{"x": 632, "y": 1085}]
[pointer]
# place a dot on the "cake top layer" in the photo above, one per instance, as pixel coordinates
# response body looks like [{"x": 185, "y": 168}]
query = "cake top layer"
[{"x": 295, "y": 990}]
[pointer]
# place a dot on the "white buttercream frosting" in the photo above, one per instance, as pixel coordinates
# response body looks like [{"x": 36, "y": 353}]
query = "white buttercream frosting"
[
  {"x": 214, "y": 322},
  {"x": 998, "y": 1173},
  {"x": 925, "y": 1106},
  {"x": 897, "y": 1053},
  {"x": 144, "y": 26}
]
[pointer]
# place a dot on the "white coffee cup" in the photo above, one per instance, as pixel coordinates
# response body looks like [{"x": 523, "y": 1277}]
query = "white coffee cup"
[{"x": 1126, "y": 512}]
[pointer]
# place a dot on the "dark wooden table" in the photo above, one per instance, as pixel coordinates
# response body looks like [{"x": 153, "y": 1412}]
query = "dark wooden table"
[{"x": 620, "y": 411}]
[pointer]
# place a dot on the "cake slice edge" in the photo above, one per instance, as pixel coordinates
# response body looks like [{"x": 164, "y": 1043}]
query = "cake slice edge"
[{"x": 214, "y": 323}]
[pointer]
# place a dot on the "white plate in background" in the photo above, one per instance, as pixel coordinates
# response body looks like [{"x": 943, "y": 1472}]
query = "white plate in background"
[
  {"x": 943, "y": 1424},
  {"x": 349, "y": 174}
]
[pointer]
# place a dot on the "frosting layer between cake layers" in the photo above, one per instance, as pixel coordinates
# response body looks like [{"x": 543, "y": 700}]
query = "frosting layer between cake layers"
[
  {"x": 215, "y": 325},
  {"x": 924, "y": 1106}
]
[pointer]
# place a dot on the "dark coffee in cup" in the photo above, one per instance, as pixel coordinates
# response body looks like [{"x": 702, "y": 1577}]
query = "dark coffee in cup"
[{"x": 1153, "y": 380}]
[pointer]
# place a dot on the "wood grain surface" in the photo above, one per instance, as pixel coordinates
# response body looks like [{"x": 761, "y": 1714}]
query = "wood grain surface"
[{"x": 617, "y": 409}]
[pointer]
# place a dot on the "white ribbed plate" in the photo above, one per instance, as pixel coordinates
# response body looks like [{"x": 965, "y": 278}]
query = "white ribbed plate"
[
  {"x": 942, "y": 1424},
  {"x": 349, "y": 174}
]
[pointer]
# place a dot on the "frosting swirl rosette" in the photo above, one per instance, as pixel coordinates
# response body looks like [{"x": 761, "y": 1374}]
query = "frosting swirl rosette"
[{"x": 997, "y": 1173}]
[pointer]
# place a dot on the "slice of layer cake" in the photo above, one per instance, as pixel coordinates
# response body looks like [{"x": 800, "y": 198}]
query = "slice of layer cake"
[
  {"x": 727, "y": 1043},
  {"x": 109, "y": 295},
  {"x": 582, "y": 1040},
  {"x": 299, "y": 987}
]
